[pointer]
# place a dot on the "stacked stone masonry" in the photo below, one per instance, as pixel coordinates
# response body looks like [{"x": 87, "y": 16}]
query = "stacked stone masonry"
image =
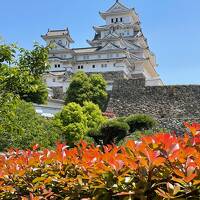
[{"x": 170, "y": 105}]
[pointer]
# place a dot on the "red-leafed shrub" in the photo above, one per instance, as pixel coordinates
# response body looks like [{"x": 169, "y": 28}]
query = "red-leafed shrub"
[{"x": 161, "y": 166}]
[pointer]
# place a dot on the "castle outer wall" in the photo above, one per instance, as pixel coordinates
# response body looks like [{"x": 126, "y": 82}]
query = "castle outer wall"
[{"x": 170, "y": 105}]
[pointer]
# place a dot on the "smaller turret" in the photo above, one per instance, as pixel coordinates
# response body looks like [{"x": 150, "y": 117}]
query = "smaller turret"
[{"x": 61, "y": 38}]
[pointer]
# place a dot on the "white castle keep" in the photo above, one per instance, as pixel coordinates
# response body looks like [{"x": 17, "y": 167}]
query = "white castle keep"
[{"x": 118, "y": 50}]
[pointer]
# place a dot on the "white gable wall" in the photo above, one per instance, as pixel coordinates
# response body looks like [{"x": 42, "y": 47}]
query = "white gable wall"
[
  {"x": 126, "y": 19},
  {"x": 101, "y": 66}
]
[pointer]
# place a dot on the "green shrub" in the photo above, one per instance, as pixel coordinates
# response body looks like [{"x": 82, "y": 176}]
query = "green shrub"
[
  {"x": 78, "y": 122},
  {"x": 113, "y": 131},
  {"x": 74, "y": 133},
  {"x": 21, "y": 127},
  {"x": 137, "y": 135},
  {"x": 121, "y": 119},
  {"x": 72, "y": 113},
  {"x": 94, "y": 115},
  {"x": 140, "y": 122}
]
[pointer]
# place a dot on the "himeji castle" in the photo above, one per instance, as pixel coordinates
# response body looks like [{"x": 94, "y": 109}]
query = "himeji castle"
[{"x": 118, "y": 50}]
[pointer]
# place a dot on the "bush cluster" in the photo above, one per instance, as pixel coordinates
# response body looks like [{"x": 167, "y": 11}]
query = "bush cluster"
[
  {"x": 77, "y": 121},
  {"x": 21, "y": 126},
  {"x": 115, "y": 131},
  {"x": 140, "y": 122},
  {"x": 159, "y": 167}
]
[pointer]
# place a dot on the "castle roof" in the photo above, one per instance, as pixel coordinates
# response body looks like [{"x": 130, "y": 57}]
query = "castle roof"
[
  {"x": 108, "y": 27},
  {"x": 58, "y": 33},
  {"x": 116, "y": 9},
  {"x": 85, "y": 50}
]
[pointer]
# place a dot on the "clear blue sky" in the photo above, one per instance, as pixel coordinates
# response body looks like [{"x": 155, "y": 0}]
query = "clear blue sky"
[{"x": 172, "y": 28}]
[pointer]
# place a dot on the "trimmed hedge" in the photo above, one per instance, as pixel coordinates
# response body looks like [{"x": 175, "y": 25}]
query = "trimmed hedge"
[
  {"x": 140, "y": 122},
  {"x": 113, "y": 131}
]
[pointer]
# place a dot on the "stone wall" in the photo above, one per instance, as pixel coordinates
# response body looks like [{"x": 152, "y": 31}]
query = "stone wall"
[
  {"x": 170, "y": 105},
  {"x": 110, "y": 76}
]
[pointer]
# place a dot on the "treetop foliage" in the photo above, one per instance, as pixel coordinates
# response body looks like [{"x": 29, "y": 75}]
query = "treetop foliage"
[
  {"x": 35, "y": 61},
  {"x": 24, "y": 77},
  {"x": 87, "y": 88},
  {"x": 76, "y": 121}
]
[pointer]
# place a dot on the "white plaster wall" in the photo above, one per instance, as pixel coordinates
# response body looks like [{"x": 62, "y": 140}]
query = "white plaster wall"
[
  {"x": 58, "y": 82},
  {"x": 124, "y": 32},
  {"x": 154, "y": 82},
  {"x": 104, "y": 34},
  {"x": 101, "y": 67},
  {"x": 126, "y": 18},
  {"x": 65, "y": 55},
  {"x": 62, "y": 41},
  {"x": 53, "y": 68},
  {"x": 100, "y": 56}
]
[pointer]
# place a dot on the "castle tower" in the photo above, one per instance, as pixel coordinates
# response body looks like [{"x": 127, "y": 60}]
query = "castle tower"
[
  {"x": 61, "y": 38},
  {"x": 122, "y": 32},
  {"x": 118, "y": 50}
]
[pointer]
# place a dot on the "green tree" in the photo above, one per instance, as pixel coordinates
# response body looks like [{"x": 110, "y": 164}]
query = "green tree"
[
  {"x": 21, "y": 127},
  {"x": 35, "y": 61},
  {"x": 7, "y": 53},
  {"x": 24, "y": 79},
  {"x": 74, "y": 133},
  {"x": 87, "y": 88},
  {"x": 77, "y": 121},
  {"x": 73, "y": 123},
  {"x": 93, "y": 115},
  {"x": 73, "y": 113}
]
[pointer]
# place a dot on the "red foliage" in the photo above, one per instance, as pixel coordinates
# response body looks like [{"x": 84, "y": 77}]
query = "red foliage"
[{"x": 157, "y": 167}]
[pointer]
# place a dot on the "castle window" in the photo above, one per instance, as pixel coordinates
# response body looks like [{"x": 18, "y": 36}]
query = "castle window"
[
  {"x": 55, "y": 66},
  {"x": 93, "y": 66},
  {"x": 86, "y": 57},
  {"x": 103, "y": 65},
  {"x": 112, "y": 20},
  {"x": 109, "y": 56},
  {"x": 121, "y": 19},
  {"x": 116, "y": 19},
  {"x": 59, "y": 65},
  {"x": 79, "y": 67}
]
